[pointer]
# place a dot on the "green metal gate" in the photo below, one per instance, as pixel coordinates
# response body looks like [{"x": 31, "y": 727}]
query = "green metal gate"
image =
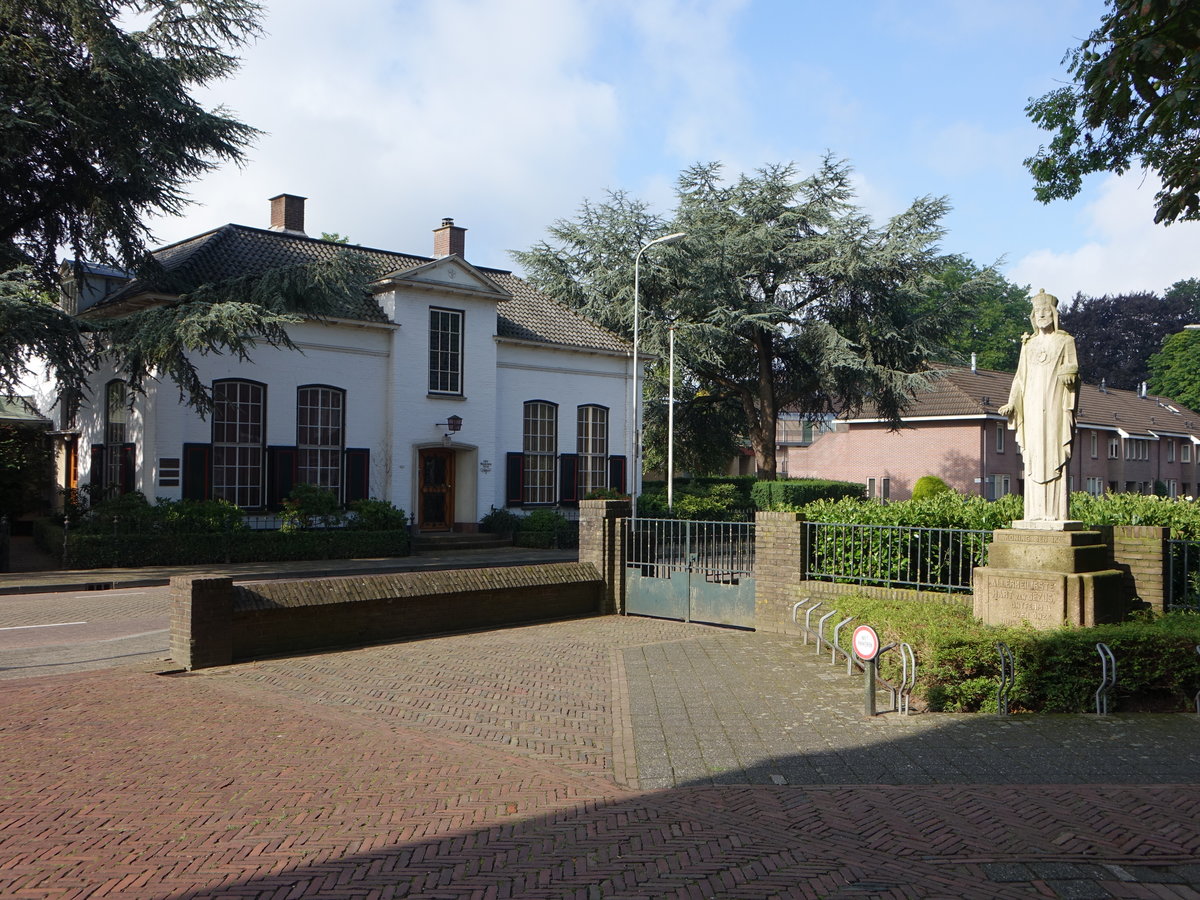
[{"x": 691, "y": 571}]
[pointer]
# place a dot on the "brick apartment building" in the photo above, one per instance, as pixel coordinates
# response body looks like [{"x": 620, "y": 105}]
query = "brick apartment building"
[{"x": 1124, "y": 441}]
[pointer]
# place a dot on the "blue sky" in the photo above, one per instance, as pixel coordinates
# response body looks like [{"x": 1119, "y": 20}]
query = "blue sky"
[{"x": 506, "y": 114}]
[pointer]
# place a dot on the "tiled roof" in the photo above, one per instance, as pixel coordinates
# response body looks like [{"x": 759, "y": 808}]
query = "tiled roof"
[
  {"x": 956, "y": 391},
  {"x": 237, "y": 250}
]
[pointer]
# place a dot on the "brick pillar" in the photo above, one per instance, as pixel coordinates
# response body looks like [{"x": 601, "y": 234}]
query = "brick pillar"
[
  {"x": 201, "y": 620},
  {"x": 1141, "y": 553},
  {"x": 602, "y": 543},
  {"x": 778, "y": 568}
]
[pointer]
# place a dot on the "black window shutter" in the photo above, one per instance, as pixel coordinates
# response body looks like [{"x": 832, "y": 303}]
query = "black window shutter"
[
  {"x": 514, "y": 479},
  {"x": 568, "y": 478},
  {"x": 128, "y": 467},
  {"x": 96, "y": 476},
  {"x": 358, "y": 474},
  {"x": 281, "y": 474},
  {"x": 197, "y": 471},
  {"x": 617, "y": 473}
]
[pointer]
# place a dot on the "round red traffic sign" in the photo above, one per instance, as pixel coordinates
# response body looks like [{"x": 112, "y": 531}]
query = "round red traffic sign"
[{"x": 866, "y": 642}]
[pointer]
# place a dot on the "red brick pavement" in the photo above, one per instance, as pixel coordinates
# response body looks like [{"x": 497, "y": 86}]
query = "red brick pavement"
[{"x": 127, "y": 784}]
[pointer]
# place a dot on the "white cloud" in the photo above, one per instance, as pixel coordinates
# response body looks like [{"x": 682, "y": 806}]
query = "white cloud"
[
  {"x": 1120, "y": 248},
  {"x": 388, "y": 116}
]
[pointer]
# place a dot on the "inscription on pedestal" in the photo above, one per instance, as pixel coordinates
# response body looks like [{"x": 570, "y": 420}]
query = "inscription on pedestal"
[{"x": 1039, "y": 601}]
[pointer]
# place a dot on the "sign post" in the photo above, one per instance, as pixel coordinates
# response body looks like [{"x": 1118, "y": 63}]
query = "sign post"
[{"x": 866, "y": 648}]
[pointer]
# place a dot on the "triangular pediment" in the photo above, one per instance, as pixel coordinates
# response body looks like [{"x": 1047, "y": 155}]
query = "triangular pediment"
[{"x": 450, "y": 274}]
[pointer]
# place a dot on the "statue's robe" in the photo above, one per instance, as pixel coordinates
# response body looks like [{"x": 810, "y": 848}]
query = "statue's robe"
[{"x": 1044, "y": 419}]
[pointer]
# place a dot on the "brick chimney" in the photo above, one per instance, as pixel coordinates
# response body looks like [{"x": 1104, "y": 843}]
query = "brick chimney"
[
  {"x": 449, "y": 240},
  {"x": 287, "y": 213}
]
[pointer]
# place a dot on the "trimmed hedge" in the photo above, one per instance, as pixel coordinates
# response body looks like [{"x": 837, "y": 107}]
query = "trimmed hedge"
[
  {"x": 96, "y": 551},
  {"x": 800, "y": 491},
  {"x": 1057, "y": 671}
]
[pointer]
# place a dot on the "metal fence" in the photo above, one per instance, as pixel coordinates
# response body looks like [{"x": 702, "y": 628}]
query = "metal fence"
[
  {"x": 933, "y": 559},
  {"x": 1183, "y": 575},
  {"x": 723, "y": 551}
]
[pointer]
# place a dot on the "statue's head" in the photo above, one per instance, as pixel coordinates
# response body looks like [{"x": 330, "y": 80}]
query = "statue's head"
[{"x": 1043, "y": 304}]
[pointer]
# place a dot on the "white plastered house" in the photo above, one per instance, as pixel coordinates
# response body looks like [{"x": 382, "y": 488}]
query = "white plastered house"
[{"x": 448, "y": 389}]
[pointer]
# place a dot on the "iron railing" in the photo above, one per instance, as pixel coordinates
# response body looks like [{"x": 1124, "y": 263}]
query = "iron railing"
[
  {"x": 1183, "y": 575},
  {"x": 926, "y": 559},
  {"x": 723, "y": 551}
]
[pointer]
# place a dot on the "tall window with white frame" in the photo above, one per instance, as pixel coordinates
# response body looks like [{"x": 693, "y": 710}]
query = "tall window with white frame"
[
  {"x": 320, "y": 436},
  {"x": 116, "y": 431},
  {"x": 239, "y": 411},
  {"x": 445, "y": 351},
  {"x": 541, "y": 449},
  {"x": 592, "y": 448}
]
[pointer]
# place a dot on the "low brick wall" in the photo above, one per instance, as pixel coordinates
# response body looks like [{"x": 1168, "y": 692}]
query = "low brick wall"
[{"x": 215, "y": 623}]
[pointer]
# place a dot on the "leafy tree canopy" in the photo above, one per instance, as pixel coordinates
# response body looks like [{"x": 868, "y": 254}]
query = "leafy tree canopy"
[
  {"x": 1132, "y": 101},
  {"x": 1175, "y": 370},
  {"x": 786, "y": 294},
  {"x": 98, "y": 131},
  {"x": 992, "y": 316},
  {"x": 1116, "y": 335}
]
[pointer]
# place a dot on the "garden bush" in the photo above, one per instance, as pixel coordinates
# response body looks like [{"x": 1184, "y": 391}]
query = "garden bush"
[
  {"x": 701, "y": 499},
  {"x": 794, "y": 493},
  {"x": 929, "y": 486},
  {"x": 500, "y": 521},
  {"x": 546, "y": 528},
  {"x": 1055, "y": 671},
  {"x": 376, "y": 515}
]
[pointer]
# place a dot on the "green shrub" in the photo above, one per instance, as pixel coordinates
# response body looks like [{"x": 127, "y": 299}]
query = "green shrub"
[
  {"x": 376, "y": 515},
  {"x": 929, "y": 486},
  {"x": 605, "y": 493},
  {"x": 545, "y": 528},
  {"x": 308, "y": 504},
  {"x": 1055, "y": 671},
  {"x": 500, "y": 521},
  {"x": 90, "y": 551},
  {"x": 1181, "y": 516},
  {"x": 713, "y": 499},
  {"x": 795, "y": 493}
]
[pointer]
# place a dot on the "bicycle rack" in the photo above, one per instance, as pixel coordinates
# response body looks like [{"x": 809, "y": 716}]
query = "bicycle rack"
[
  {"x": 1007, "y": 677},
  {"x": 1108, "y": 678},
  {"x": 837, "y": 630},
  {"x": 821, "y": 628},
  {"x": 908, "y": 679},
  {"x": 807, "y": 615}
]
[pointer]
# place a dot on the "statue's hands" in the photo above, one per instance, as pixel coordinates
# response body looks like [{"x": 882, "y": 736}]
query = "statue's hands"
[
  {"x": 1006, "y": 410},
  {"x": 1070, "y": 382}
]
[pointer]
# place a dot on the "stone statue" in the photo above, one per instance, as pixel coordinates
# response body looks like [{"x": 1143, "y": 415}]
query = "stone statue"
[{"x": 1041, "y": 409}]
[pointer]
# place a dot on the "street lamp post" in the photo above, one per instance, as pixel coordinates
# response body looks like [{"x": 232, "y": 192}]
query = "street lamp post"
[
  {"x": 637, "y": 397},
  {"x": 671, "y": 421}
]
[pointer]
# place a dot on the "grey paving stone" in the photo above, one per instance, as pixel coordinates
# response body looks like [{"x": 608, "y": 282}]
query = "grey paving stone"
[
  {"x": 1008, "y": 872},
  {"x": 1080, "y": 889}
]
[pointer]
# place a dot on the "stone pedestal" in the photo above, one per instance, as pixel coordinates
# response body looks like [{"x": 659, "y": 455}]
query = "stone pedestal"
[{"x": 1048, "y": 578}]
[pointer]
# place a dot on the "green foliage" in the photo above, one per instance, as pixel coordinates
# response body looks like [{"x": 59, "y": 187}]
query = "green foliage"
[
  {"x": 929, "y": 486},
  {"x": 101, "y": 131},
  {"x": 25, "y": 460},
  {"x": 33, "y": 328},
  {"x": 795, "y": 493},
  {"x": 132, "y": 514},
  {"x": 376, "y": 515},
  {"x": 1131, "y": 102},
  {"x": 1115, "y": 336},
  {"x": 993, "y": 313},
  {"x": 709, "y": 499},
  {"x": 308, "y": 504},
  {"x": 500, "y": 521},
  {"x": 944, "y": 510},
  {"x": 546, "y": 528},
  {"x": 1175, "y": 370},
  {"x": 1181, "y": 516},
  {"x": 1056, "y": 671},
  {"x": 87, "y": 551},
  {"x": 784, "y": 294}
]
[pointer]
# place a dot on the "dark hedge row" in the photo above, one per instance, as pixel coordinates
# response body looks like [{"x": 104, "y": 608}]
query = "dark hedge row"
[
  {"x": 1056, "y": 671},
  {"x": 93, "y": 551}
]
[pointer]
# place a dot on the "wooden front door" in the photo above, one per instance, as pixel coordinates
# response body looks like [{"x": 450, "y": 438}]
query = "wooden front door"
[{"x": 437, "y": 489}]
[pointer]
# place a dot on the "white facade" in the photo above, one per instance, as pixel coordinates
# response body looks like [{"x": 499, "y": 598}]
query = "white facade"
[{"x": 395, "y": 415}]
